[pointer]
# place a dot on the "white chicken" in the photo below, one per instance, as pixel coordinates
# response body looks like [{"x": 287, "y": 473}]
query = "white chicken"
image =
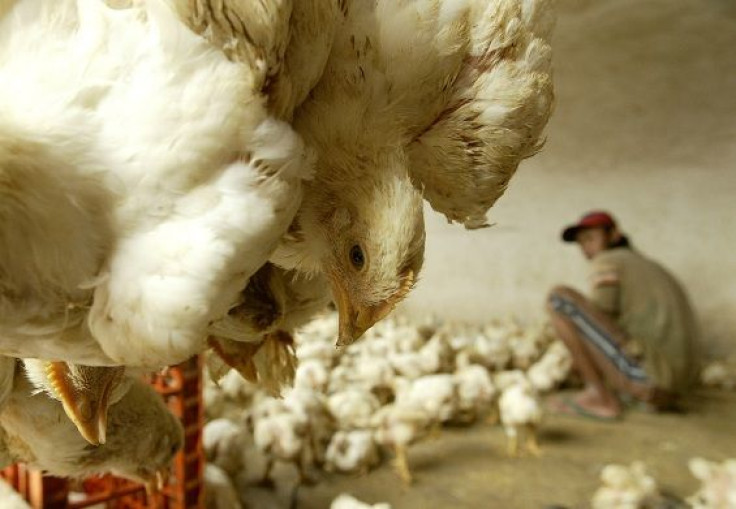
[
  {"x": 476, "y": 394},
  {"x": 521, "y": 413},
  {"x": 720, "y": 374},
  {"x": 345, "y": 501},
  {"x": 492, "y": 351},
  {"x": 505, "y": 379},
  {"x": 434, "y": 99},
  {"x": 142, "y": 435},
  {"x": 433, "y": 357},
  {"x": 435, "y": 394},
  {"x": 311, "y": 374},
  {"x": 718, "y": 484},
  {"x": 552, "y": 368},
  {"x": 146, "y": 176},
  {"x": 626, "y": 487},
  {"x": 224, "y": 443},
  {"x": 219, "y": 490},
  {"x": 375, "y": 375},
  {"x": 352, "y": 452},
  {"x": 280, "y": 435},
  {"x": 312, "y": 407},
  {"x": 398, "y": 426},
  {"x": 353, "y": 408}
]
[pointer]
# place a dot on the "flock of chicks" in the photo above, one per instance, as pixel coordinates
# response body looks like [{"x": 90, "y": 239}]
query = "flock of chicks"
[
  {"x": 395, "y": 388},
  {"x": 631, "y": 487}
]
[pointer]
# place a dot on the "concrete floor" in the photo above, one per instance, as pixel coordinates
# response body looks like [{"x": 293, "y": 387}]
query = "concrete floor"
[{"x": 468, "y": 468}]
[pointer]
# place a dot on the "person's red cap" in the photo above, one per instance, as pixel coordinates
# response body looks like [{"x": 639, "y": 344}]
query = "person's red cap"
[{"x": 594, "y": 219}]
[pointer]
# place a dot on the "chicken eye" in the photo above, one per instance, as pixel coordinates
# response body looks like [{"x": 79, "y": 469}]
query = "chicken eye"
[{"x": 357, "y": 258}]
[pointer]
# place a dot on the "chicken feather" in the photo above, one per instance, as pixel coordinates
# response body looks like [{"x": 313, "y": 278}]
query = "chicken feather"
[{"x": 145, "y": 178}]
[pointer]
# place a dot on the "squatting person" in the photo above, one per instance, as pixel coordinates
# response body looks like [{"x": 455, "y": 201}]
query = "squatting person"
[{"x": 635, "y": 337}]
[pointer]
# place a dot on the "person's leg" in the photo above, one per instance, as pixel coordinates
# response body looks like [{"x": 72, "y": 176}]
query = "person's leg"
[
  {"x": 603, "y": 341},
  {"x": 596, "y": 398}
]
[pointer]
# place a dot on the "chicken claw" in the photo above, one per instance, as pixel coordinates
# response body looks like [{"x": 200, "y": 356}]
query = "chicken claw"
[{"x": 85, "y": 392}]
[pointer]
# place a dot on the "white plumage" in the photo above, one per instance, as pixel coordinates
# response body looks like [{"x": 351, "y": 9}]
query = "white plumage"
[
  {"x": 353, "y": 408},
  {"x": 717, "y": 484},
  {"x": 552, "y": 368},
  {"x": 433, "y": 99},
  {"x": 476, "y": 393},
  {"x": 219, "y": 490},
  {"x": 345, "y": 501},
  {"x": 626, "y": 487},
  {"x": 521, "y": 413},
  {"x": 224, "y": 444},
  {"x": 398, "y": 426},
  {"x": 145, "y": 175},
  {"x": 352, "y": 452},
  {"x": 434, "y": 394}
]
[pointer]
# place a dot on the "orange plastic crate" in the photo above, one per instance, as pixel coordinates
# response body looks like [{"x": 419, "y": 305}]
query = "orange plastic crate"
[{"x": 181, "y": 386}]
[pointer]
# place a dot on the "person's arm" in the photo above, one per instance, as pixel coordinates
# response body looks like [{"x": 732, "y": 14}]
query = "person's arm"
[{"x": 606, "y": 289}]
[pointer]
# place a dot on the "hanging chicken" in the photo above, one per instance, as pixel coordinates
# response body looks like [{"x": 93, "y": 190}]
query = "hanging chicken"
[
  {"x": 142, "y": 182},
  {"x": 143, "y": 436},
  {"x": 433, "y": 99}
]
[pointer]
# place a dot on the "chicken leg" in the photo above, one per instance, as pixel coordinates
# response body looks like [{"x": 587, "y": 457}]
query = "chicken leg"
[
  {"x": 401, "y": 464},
  {"x": 513, "y": 442},
  {"x": 531, "y": 441}
]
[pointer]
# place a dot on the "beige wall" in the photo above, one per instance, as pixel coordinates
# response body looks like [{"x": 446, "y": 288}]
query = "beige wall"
[{"x": 645, "y": 126}]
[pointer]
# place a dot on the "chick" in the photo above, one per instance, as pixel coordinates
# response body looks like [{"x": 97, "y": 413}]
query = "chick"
[
  {"x": 718, "y": 484},
  {"x": 721, "y": 374},
  {"x": 552, "y": 368},
  {"x": 311, "y": 406},
  {"x": 311, "y": 374},
  {"x": 219, "y": 490},
  {"x": 435, "y": 394},
  {"x": 142, "y": 435},
  {"x": 345, "y": 501},
  {"x": 353, "y": 408},
  {"x": 280, "y": 435},
  {"x": 521, "y": 413},
  {"x": 85, "y": 392},
  {"x": 397, "y": 426},
  {"x": 491, "y": 350},
  {"x": 375, "y": 375},
  {"x": 352, "y": 452},
  {"x": 475, "y": 391},
  {"x": 224, "y": 443},
  {"x": 626, "y": 487},
  {"x": 432, "y": 357}
]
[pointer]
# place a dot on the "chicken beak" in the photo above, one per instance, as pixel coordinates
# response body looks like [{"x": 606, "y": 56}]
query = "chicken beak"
[
  {"x": 354, "y": 320},
  {"x": 86, "y": 407}
]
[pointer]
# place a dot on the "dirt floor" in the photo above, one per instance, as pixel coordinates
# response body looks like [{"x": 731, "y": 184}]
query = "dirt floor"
[{"x": 468, "y": 467}]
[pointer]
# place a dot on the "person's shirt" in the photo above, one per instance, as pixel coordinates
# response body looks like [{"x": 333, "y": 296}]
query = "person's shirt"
[{"x": 651, "y": 306}]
